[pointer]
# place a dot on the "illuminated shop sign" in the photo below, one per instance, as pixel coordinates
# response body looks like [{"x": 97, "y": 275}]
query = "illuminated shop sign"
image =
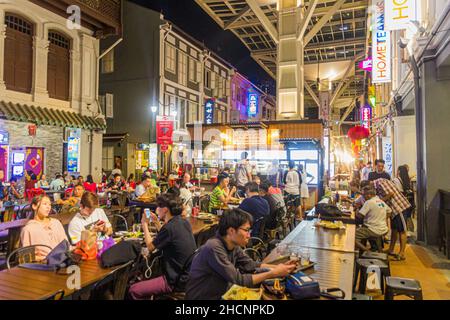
[
  {"x": 252, "y": 104},
  {"x": 381, "y": 45},
  {"x": 4, "y": 137},
  {"x": 209, "y": 112},
  {"x": 366, "y": 116},
  {"x": 365, "y": 65}
]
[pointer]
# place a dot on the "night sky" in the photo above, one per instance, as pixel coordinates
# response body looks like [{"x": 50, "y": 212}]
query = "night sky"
[{"x": 190, "y": 17}]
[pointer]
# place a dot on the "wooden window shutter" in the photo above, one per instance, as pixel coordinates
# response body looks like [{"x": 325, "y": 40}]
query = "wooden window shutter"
[
  {"x": 58, "y": 69},
  {"x": 109, "y": 105}
]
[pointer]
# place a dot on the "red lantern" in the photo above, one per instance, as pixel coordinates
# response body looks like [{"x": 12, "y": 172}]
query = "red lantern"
[
  {"x": 358, "y": 133},
  {"x": 32, "y": 130}
]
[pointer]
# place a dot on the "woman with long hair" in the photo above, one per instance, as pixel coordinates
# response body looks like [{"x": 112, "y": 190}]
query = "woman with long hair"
[{"x": 41, "y": 229}]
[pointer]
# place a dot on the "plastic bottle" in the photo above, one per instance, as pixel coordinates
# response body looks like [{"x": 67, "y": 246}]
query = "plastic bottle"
[{"x": 108, "y": 201}]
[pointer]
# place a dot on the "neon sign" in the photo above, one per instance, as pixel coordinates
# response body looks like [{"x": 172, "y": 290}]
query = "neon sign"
[
  {"x": 209, "y": 112},
  {"x": 252, "y": 104},
  {"x": 365, "y": 65},
  {"x": 366, "y": 116}
]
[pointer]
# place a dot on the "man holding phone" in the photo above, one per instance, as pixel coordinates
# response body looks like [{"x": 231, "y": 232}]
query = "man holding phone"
[{"x": 91, "y": 218}]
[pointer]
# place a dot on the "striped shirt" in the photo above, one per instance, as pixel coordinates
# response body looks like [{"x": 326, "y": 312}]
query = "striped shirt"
[
  {"x": 214, "y": 199},
  {"x": 398, "y": 202}
]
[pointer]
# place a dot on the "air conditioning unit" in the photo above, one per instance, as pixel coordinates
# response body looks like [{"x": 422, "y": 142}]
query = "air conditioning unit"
[{"x": 109, "y": 106}]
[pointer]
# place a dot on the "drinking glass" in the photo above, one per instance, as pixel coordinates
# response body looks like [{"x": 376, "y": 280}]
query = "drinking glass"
[
  {"x": 136, "y": 227},
  {"x": 305, "y": 257}
]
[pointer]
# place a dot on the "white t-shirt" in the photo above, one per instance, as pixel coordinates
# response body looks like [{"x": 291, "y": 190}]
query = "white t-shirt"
[
  {"x": 292, "y": 183},
  {"x": 79, "y": 222},
  {"x": 140, "y": 190},
  {"x": 398, "y": 184},
  {"x": 375, "y": 212}
]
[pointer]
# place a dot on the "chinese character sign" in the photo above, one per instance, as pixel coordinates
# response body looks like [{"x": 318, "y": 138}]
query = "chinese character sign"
[
  {"x": 381, "y": 45},
  {"x": 164, "y": 129},
  {"x": 252, "y": 104},
  {"x": 209, "y": 112},
  {"x": 366, "y": 116},
  {"x": 387, "y": 154}
]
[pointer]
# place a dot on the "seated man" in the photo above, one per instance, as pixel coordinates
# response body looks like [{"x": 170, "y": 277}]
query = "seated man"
[
  {"x": 143, "y": 186},
  {"x": 58, "y": 183},
  {"x": 221, "y": 261},
  {"x": 90, "y": 217},
  {"x": 115, "y": 185},
  {"x": 271, "y": 220},
  {"x": 75, "y": 199},
  {"x": 256, "y": 206},
  {"x": 375, "y": 214}
]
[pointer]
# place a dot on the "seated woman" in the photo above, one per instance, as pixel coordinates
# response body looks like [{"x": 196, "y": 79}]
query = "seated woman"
[
  {"x": 221, "y": 194},
  {"x": 90, "y": 185},
  {"x": 75, "y": 199},
  {"x": 42, "y": 229},
  {"x": 174, "y": 239},
  {"x": 43, "y": 183}
]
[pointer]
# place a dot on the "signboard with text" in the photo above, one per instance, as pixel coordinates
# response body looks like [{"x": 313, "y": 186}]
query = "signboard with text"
[
  {"x": 381, "y": 45},
  {"x": 400, "y": 13},
  {"x": 73, "y": 150},
  {"x": 252, "y": 105},
  {"x": 209, "y": 112},
  {"x": 366, "y": 116},
  {"x": 387, "y": 154},
  {"x": 365, "y": 65},
  {"x": 4, "y": 137},
  {"x": 164, "y": 129}
]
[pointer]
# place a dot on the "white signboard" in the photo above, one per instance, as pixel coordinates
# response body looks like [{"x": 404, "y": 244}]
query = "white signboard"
[
  {"x": 381, "y": 45},
  {"x": 399, "y": 13},
  {"x": 387, "y": 154}
]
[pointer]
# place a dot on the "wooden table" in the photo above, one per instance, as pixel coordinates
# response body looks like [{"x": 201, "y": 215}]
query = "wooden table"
[
  {"x": 331, "y": 250},
  {"x": 25, "y": 284},
  {"x": 198, "y": 224}
]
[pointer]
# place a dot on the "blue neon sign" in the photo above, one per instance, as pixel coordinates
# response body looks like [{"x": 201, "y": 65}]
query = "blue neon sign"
[
  {"x": 209, "y": 112},
  {"x": 252, "y": 104}
]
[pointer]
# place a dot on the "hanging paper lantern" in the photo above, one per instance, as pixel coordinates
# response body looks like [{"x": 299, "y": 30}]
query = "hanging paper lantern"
[{"x": 358, "y": 133}]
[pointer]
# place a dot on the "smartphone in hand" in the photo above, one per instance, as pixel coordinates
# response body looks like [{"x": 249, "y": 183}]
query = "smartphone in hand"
[{"x": 148, "y": 214}]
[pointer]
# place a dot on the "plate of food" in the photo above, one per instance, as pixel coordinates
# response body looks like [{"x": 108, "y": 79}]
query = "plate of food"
[
  {"x": 334, "y": 225},
  {"x": 242, "y": 293},
  {"x": 205, "y": 216}
]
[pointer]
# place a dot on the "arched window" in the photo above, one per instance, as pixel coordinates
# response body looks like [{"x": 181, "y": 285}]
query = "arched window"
[
  {"x": 18, "y": 69},
  {"x": 58, "y": 73}
]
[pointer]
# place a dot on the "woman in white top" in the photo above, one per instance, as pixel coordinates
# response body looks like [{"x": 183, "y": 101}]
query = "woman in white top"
[{"x": 304, "y": 192}]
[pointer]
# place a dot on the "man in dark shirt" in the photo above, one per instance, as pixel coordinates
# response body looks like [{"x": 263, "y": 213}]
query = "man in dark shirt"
[
  {"x": 271, "y": 219},
  {"x": 174, "y": 239},
  {"x": 256, "y": 206},
  {"x": 379, "y": 171},
  {"x": 221, "y": 261}
]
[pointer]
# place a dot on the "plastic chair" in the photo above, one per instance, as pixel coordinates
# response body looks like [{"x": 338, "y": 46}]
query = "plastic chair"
[
  {"x": 23, "y": 255},
  {"x": 26, "y": 212},
  {"x": 31, "y": 193},
  {"x": 205, "y": 235},
  {"x": 119, "y": 280},
  {"x": 115, "y": 218}
]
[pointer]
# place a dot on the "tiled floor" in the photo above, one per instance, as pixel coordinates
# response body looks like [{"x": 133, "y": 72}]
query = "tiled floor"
[{"x": 428, "y": 266}]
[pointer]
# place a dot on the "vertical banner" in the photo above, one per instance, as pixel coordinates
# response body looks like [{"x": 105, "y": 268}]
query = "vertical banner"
[
  {"x": 381, "y": 45},
  {"x": 366, "y": 116},
  {"x": 164, "y": 129},
  {"x": 73, "y": 150},
  {"x": 400, "y": 13},
  {"x": 153, "y": 156},
  {"x": 387, "y": 154},
  {"x": 209, "y": 112},
  {"x": 252, "y": 105},
  {"x": 34, "y": 162},
  {"x": 324, "y": 99}
]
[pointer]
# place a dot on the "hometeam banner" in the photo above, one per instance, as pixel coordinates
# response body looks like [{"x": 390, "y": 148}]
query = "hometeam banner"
[{"x": 381, "y": 45}]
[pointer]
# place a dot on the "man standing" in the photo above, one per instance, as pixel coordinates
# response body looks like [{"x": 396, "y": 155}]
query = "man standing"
[
  {"x": 256, "y": 205},
  {"x": 366, "y": 170},
  {"x": 243, "y": 174},
  {"x": 379, "y": 172}
]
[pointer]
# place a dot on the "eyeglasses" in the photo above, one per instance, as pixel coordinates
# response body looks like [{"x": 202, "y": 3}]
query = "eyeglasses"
[{"x": 248, "y": 230}]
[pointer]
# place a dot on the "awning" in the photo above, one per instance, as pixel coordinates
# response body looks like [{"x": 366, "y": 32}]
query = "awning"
[{"x": 48, "y": 116}]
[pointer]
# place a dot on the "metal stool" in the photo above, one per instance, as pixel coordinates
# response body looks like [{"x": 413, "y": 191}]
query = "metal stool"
[
  {"x": 362, "y": 266},
  {"x": 375, "y": 255},
  {"x": 402, "y": 286}
]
